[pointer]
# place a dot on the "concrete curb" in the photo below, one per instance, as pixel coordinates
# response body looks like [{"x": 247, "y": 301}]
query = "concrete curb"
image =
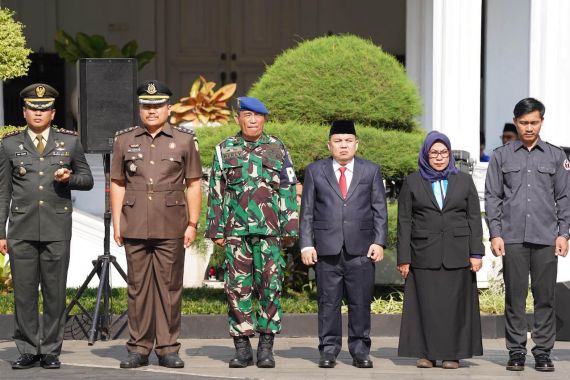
[{"x": 294, "y": 325}]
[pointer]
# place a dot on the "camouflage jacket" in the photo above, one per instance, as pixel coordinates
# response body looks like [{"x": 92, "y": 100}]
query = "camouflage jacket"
[{"x": 252, "y": 190}]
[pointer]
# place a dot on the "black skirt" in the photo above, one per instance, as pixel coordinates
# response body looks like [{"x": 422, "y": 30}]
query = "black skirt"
[{"x": 440, "y": 320}]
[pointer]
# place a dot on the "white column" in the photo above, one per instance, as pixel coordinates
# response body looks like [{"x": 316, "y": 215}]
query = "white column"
[
  {"x": 506, "y": 63},
  {"x": 443, "y": 57},
  {"x": 549, "y": 79}
]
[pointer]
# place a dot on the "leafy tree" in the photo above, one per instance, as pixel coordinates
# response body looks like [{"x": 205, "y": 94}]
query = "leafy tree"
[{"x": 14, "y": 61}]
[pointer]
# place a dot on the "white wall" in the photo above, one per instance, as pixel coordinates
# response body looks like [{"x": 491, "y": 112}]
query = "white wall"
[{"x": 506, "y": 64}]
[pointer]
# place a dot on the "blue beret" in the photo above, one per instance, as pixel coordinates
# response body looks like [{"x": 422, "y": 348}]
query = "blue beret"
[{"x": 251, "y": 104}]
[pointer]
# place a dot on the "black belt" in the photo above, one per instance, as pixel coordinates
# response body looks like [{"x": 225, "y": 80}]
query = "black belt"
[{"x": 155, "y": 188}]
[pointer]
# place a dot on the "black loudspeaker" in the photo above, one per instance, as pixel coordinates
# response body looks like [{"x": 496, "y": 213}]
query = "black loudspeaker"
[
  {"x": 107, "y": 100},
  {"x": 563, "y": 311}
]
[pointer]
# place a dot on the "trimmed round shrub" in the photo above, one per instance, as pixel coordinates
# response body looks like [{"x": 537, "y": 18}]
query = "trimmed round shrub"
[
  {"x": 339, "y": 77},
  {"x": 396, "y": 152}
]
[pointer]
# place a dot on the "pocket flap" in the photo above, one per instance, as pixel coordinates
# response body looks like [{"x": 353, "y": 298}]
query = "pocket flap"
[
  {"x": 320, "y": 225},
  {"x": 420, "y": 234},
  {"x": 129, "y": 201},
  {"x": 60, "y": 160},
  {"x": 511, "y": 168},
  {"x": 21, "y": 161},
  {"x": 461, "y": 231},
  {"x": 63, "y": 207},
  {"x": 172, "y": 157},
  {"x": 19, "y": 209},
  {"x": 548, "y": 169},
  {"x": 175, "y": 200}
]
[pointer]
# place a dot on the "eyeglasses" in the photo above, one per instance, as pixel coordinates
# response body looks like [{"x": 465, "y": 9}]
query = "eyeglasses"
[{"x": 435, "y": 153}]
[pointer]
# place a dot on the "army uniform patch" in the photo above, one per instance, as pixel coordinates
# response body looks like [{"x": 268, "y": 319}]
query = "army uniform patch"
[
  {"x": 566, "y": 164},
  {"x": 229, "y": 153}
]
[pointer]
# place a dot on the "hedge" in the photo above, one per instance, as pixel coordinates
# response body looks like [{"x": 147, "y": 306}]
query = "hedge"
[
  {"x": 395, "y": 151},
  {"x": 339, "y": 77}
]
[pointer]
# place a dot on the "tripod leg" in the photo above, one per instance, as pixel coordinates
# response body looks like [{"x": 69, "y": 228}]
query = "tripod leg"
[
  {"x": 102, "y": 285},
  {"x": 120, "y": 270},
  {"x": 82, "y": 289}
]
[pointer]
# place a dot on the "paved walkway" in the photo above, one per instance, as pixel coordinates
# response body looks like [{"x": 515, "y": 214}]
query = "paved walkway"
[{"x": 296, "y": 359}]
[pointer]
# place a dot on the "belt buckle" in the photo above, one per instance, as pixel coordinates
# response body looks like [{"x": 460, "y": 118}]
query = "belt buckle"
[{"x": 150, "y": 188}]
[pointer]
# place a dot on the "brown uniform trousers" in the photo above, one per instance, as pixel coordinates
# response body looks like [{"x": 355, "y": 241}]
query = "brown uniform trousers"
[{"x": 154, "y": 217}]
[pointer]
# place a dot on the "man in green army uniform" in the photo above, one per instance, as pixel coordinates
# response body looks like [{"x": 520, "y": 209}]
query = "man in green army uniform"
[
  {"x": 39, "y": 166},
  {"x": 252, "y": 212}
]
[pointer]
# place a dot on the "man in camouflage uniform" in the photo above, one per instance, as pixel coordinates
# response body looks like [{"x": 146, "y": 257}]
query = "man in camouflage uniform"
[{"x": 252, "y": 211}]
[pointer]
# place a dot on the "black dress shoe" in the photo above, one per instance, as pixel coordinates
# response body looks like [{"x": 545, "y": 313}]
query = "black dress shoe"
[
  {"x": 516, "y": 362},
  {"x": 170, "y": 360},
  {"x": 50, "y": 362},
  {"x": 362, "y": 363},
  {"x": 327, "y": 361},
  {"x": 134, "y": 360},
  {"x": 26, "y": 361},
  {"x": 543, "y": 363}
]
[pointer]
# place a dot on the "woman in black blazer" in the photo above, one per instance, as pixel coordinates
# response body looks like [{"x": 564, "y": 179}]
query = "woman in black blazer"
[{"x": 439, "y": 250}]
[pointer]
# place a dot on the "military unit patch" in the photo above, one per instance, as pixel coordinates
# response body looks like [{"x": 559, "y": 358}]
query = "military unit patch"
[{"x": 566, "y": 164}]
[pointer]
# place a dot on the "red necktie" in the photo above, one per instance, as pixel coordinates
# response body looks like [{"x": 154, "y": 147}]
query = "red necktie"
[{"x": 342, "y": 181}]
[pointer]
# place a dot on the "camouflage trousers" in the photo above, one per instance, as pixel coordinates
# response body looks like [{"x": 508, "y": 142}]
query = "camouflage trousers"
[{"x": 253, "y": 263}]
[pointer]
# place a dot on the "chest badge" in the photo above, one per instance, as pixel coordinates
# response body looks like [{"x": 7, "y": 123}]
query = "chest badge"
[
  {"x": 22, "y": 171},
  {"x": 132, "y": 167},
  {"x": 21, "y": 146},
  {"x": 172, "y": 145}
]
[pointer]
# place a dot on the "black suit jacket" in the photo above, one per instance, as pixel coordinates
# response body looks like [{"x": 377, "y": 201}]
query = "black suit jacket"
[
  {"x": 328, "y": 221},
  {"x": 429, "y": 237},
  {"x": 40, "y": 207}
]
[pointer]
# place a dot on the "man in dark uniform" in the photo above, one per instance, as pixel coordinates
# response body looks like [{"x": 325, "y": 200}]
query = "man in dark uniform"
[
  {"x": 39, "y": 166},
  {"x": 528, "y": 213},
  {"x": 155, "y": 220}
]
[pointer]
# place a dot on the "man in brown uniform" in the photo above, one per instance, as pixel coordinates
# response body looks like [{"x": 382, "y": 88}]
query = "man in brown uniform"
[{"x": 155, "y": 220}]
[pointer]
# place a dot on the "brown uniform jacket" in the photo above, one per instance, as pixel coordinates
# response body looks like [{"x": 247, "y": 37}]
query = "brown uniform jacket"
[{"x": 154, "y": 171}]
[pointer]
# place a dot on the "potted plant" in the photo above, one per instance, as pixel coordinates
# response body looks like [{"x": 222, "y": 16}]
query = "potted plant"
[
  {"x": 95, "y": 46},
  {"x": 203, "y": 106}
]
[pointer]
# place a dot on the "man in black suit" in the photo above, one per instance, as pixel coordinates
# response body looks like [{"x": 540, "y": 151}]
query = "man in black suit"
[
  {"x": 343, "y": 229},
  {"x": 39, "y": 166}
]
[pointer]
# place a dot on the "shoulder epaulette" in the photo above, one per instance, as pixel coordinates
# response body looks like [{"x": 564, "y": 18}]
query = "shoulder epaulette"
[
  {"x": 126, "y": 130},
  {"x": 555, "y": 146},
  {"x": 13, "y": 133},
  {"x": 183, "y": 130},
  {"x": 67, "y": 132}
]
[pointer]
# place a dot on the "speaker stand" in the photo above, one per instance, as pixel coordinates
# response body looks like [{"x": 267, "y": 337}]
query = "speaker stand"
[{"x": 101, "y": 319}]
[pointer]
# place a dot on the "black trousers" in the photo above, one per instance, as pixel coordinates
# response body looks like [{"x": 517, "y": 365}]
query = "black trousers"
[
  {"x": 542, "y": 263},
  {"x": 35, "y": 263},
  {"x": 352, "y": 276}
]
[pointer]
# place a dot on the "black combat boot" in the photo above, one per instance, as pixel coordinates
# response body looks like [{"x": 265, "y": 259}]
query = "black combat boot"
[
  {"x": 244, "y": 353},
  {"x": 265, "y": 351}
]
